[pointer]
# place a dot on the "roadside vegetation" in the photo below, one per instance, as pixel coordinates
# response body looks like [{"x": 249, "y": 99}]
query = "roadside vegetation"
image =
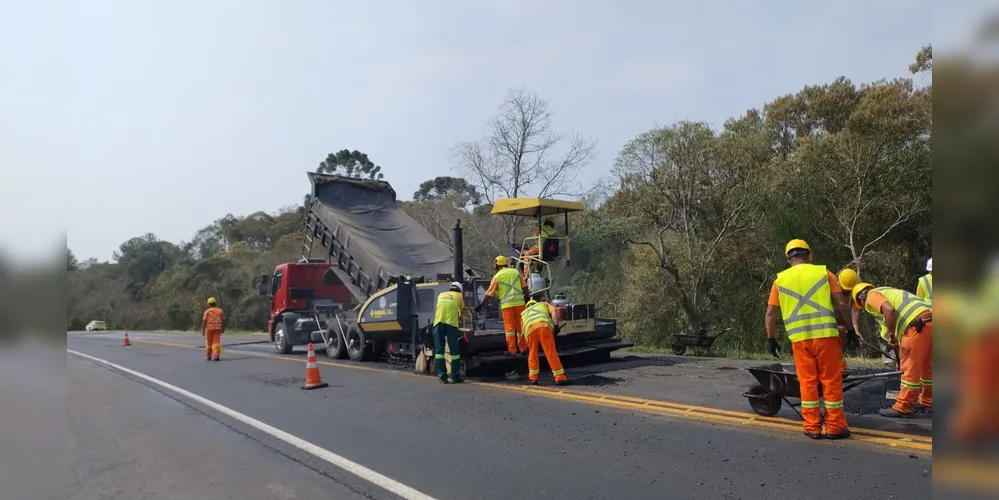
[{"x": 685, "y": 231}]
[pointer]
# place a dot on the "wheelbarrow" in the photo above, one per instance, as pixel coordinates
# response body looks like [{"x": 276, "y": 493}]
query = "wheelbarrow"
[
  {"x": 699, "y": 340},
  {"x": 776, "y": 385}
]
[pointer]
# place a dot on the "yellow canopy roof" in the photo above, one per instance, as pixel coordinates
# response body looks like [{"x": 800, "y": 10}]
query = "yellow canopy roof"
[{"x": 535, "y": 207}]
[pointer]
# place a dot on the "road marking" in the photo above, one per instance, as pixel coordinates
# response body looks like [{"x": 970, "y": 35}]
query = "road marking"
[
  {"x": 354, "y": 468},
  {"x": 893, "y": 440}
]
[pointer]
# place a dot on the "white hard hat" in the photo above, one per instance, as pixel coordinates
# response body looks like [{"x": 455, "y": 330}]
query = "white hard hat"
[
  {"x": 929, "y": 265},
  {"x": 457, "y": 285}
]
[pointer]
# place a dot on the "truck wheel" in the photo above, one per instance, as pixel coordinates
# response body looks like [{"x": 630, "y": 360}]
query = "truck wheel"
[
  {"x": 356, "y": 348},
  {"x": 678, "y": 348},
  {"x": 281, "y": 343},
  {"x": 335, "y": 347}
]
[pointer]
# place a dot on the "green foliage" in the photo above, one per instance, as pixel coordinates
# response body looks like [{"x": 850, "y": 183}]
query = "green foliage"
[
  {"x": 688, "y": 233},
  {"x": 350, "y": 164}
]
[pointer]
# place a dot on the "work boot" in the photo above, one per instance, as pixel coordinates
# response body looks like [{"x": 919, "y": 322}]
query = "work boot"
[
  {"x": 532, "y": 382},
  {"x": 442, "y": 380},
  {"x": 814, "y": 435},
  {"x": 561, "y": 382},
  {"x": 216, "y": 358},
  {"x": 924, "y": 410},
  {"x": 456, "y": 381},
  {"x": 893, "y": 413},
  {"x": 842, "y": 435}
]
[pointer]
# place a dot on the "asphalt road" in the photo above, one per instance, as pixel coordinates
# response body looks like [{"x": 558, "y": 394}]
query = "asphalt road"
[{"x": 468, "y": 441}]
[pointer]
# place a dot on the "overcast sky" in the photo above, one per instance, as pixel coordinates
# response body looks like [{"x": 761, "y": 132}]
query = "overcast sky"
[{"x": 131, "y": 116}]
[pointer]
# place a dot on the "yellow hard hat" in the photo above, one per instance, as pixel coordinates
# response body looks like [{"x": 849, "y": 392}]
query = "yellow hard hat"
[
  {"x": 856, "y": 291},
  {"x": 796, "y": 244},
  {"x": 211, "y": 300},
  {"x": 848, "y": 279},
  {"x": 502, "y": 261}
]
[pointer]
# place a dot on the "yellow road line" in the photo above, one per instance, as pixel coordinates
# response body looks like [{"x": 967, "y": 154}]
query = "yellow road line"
[{"x": 892, "y": 440}]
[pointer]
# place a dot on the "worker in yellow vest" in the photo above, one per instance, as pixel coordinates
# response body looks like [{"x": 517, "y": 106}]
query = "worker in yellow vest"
[
  {"x": 510, "y": 288},
  {"x": 539, "y": 330},
  {"x": 908, "y": 323},
  {"x": 450, "y": 304},
  {"x": 924, "y": 288},
  {"x": 808, "y": 298}
]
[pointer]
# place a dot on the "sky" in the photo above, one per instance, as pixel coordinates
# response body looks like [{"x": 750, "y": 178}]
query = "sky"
[{"x": 128, "y": 117}]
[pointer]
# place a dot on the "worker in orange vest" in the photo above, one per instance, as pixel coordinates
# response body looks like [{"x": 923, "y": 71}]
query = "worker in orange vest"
[
  {"x": 539, "y": 329},
  {"x": 510, "y": 289},
  {"x": 212, "y": 327},
  {"x": 809, "y": 300},
  {"x": 907, "y": 321}
]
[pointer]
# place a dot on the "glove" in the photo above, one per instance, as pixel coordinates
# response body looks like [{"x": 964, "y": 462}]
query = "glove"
[
  {"x": 478, "y": 308},
  {"x": 773, "y": 347},
  {"x": 852, "y": 339},
  {"x": 558, "y": 328}
]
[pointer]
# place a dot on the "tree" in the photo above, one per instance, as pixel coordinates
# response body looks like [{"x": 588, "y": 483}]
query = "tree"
[
  {"x": 924, "y": 60},
  {"x": 350, "y": 164},
  {"x": 72, "y": 264},
  {"x": 682, "y": 202},
  {"x": 453, "y": 189},
  {"x": 520, "y": 154}
]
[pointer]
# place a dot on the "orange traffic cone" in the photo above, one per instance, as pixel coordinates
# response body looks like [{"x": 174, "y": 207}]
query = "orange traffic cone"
[
  {"x": 126, "y": 342},
  {"x": 312, "y": 378}
]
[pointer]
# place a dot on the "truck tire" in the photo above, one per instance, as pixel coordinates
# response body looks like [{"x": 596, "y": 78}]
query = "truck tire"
[
  {"x": 281, "y": 343},
  {"x": 335, "y": 347},
  {"x": 357, "y": 350}
]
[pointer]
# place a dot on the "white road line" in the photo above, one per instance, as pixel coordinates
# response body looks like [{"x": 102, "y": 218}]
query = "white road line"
[{"x": 352, "y": 467}]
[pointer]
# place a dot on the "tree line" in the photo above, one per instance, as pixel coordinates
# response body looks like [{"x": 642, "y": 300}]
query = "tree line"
[{"x": 685, "y": 231}]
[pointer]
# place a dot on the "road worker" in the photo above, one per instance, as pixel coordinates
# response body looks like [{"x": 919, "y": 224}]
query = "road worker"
[
  {"x": 924, "y": 288},
  {"x": 848, "y": 279},
  {"x": 809, "y": 299},
  {"x": 510, "y": 289},
  {"x": 212, "y": 327},
  {"x": 450, "y": 305},
  {"x": 539, "y": 330},
  {"x": 908, "y": 323},
  {"x": 974, "y": 316}
]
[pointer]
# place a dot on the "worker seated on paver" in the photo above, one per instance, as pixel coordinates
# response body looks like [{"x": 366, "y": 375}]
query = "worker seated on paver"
[
  {"x": 539, "y": 329},
  {"x": 549, "y": 245}
]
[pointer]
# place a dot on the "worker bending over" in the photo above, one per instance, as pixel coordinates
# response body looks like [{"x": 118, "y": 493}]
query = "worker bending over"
[
  {"x": 509, "y": 287},
  {"x": 450, "y": 305},
  {"x": 212, "y": 327},
  {"x": 805, "y": 295},
  {"x": 924, "y": 288},
  {"x": 907, "y": 321},
  {"x": 539, "y": 329},
  {"x": 848, "y": 279}
]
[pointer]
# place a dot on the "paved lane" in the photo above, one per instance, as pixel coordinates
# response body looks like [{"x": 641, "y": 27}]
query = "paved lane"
[
  {"x": 474, "y": 441},
  {"x": 129, "y": 442}
]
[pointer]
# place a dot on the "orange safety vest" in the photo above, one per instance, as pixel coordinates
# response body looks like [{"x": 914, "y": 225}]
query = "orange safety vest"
[{"x": 213, "y": 319}]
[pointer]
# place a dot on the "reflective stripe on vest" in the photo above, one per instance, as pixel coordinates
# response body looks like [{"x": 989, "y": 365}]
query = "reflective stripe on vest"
[
  {"x": 907, "y": 305},
  {"x": 927, "y": 282},
  {"x": 537, "y": 313},
  {"x": 806, "y": 285},
  {"x": 508, "y": 289}
]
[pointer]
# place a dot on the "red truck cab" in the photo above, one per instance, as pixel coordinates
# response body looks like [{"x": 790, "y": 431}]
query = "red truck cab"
[{"x": 296, "y": 289}]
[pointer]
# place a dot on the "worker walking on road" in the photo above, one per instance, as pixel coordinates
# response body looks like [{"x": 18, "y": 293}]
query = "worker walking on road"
[
  {"x": 924, "y": 288},
  {"x": 907, "y": 322},
  {"x": 212, "y": 327},
  {"x": 509, "y": 287},
  {"x": 450, "y": 304},
  {"x": 540, "y": 331},
  {"x": 805, "y": 295}
]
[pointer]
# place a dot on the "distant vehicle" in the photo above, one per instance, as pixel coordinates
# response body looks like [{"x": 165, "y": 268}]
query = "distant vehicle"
[{"x": 96, "y": 326}]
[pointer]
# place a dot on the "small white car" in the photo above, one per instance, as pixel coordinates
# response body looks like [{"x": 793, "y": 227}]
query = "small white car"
[{"x": 96, "y": 326}]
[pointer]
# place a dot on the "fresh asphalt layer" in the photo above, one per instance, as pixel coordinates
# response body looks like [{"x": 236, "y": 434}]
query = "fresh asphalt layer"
[{"x": 487, "y": 440}]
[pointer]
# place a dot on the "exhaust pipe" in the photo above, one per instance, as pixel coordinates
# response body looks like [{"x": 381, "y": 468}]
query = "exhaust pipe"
[{"x": 459, "y": 257}]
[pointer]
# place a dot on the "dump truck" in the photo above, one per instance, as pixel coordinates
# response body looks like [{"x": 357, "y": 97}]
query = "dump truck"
[{"x": 367, "y": 283}]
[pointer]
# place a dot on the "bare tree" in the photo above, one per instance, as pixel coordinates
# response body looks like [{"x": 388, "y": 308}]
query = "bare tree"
[{"x": 522, "y": 155}]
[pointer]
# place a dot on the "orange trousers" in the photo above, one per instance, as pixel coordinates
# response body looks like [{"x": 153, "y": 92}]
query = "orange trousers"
[
  {"x": 977, "y": 414},
  {"x": 514, "y": 331},
  {"x": 213, "y": 343},
  {"x": 544, "y": 336},
  {"x": 818, "y": 361},
  {"x": 916, "y": 351}
]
